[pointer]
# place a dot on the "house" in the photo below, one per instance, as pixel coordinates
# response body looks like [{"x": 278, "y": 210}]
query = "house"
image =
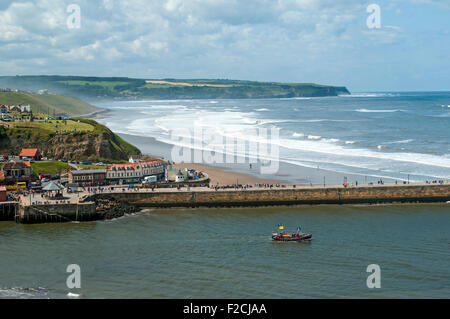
[
  {"x": 3, "y": 109},
  {"x": 30, "y": 153},
  {"x": 134, "y": 159},
  {"x": 19, "y": 108},
  {"x": 88, "y": 177},
  {"x": 17, "y": 172},
  {"x": 177, "y": 175},
  {"x": 14, "y": 108},
  {"x": 24, "y": 108},
  {"x": 130, "y": 173},
  {"x": 3, "y": 194}
]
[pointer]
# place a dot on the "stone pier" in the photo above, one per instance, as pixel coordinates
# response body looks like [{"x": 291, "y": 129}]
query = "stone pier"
[
  {"x": 371, "y": 194},
  {"x": 57, "y": 213}
]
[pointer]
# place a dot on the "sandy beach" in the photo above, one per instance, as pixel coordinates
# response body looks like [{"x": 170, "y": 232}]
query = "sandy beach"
[{"x": 225, "y": 176}]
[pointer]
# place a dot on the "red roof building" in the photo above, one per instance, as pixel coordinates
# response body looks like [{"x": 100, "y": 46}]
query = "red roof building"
[
  {"x": 134, "y": 172},
  {"x": 31, "y": 153}
]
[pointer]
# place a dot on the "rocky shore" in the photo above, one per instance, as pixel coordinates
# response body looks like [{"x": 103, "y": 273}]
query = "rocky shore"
[{"x": 110, "y": 208}]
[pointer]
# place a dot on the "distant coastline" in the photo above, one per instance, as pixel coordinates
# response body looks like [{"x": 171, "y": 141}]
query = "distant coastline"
[{"x": 121, "y": 88}]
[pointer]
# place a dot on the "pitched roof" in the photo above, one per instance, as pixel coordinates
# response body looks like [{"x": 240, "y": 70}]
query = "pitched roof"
[
  {"x": 29, "y": 152},
  {"x": 2, "y": 175},
  {"x": 52, "y": 186},
  {"x": 16, "y": 165},
  {"x": 131, "y": 166}
]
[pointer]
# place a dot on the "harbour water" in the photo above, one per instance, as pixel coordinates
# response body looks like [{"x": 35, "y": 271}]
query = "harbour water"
[{"x": 228, "y": 253}]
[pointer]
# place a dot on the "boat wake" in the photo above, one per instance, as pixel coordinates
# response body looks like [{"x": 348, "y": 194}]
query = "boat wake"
[{"x": 34, "y": 293}]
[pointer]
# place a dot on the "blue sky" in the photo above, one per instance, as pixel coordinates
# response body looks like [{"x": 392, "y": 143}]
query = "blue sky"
[{"x": 321, "y": 41}]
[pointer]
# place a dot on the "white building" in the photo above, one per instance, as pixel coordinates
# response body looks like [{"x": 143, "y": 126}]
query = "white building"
[
  {"x": 19, "y": 108},
  {"x": 130, "y": 173}
]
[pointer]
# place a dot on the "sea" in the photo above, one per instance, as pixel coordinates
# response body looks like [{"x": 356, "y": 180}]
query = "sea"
[
  {"x": 393, "y": 136},
  {"x": 228, "y": 252}
]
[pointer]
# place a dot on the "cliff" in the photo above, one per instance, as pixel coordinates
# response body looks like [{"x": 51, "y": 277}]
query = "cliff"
[{"x": 97, "y": 144}]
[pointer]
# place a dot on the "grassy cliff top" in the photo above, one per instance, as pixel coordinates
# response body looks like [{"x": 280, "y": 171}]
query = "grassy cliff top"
[
  {"x": 77, "y": 139},
  {"x": 48, "y": 103}
]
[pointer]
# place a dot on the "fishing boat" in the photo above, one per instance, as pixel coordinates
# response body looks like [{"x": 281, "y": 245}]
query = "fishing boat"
[{"x": 282, "y": 235}]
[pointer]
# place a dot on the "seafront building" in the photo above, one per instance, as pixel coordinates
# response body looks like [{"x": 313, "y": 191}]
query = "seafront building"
[
  {"x": 88, "y": 177},
  {"x": 130, "y": 173},
  {"x": 177, "y": 175},
  {"x": 15, "y": 172}
]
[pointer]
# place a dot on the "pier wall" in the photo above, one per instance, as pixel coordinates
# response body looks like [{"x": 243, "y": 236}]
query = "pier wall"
[
  {"x": 8, "y": 210},
  {"x": 292, "y": 196},
  {"x": 57, "y": 213}
]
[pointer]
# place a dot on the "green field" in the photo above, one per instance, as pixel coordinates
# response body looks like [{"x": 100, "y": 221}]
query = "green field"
[
  {"x": 52, "y": 167},
  {"x": 48, "y": 104},
  {"x": 55, "y": 126},
  {"x": 100, "y": 83}
]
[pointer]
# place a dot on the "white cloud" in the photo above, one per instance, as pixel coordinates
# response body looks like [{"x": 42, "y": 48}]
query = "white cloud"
[{"x": 294, "y": 40}]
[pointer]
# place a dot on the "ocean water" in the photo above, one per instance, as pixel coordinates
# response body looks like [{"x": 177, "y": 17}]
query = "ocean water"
[
  {"x": 383, "y": 135},
  {"x": 228, "y": 253}
]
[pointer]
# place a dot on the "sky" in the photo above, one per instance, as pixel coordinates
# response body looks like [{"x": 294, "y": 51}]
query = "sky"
[{"x": 319, "y": 41}]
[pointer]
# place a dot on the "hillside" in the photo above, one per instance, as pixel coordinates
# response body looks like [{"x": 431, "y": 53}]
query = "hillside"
[
  {"x": 80, "y": 139},
  {"x": 128, "y": 88},
  {"x": 48, "y": 103}
]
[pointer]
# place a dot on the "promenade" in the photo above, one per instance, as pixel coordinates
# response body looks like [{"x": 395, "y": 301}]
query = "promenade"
[{"x": 73, "y": 198}]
